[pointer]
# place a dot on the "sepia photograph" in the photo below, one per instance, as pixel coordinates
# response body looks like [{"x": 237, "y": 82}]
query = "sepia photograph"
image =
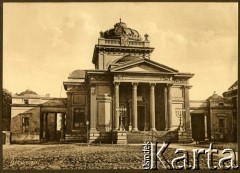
[{"x": 120, "y": 85}]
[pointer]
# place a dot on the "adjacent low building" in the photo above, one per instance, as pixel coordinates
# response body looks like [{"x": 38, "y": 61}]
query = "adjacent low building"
[
  {"x": 34, "y": 117},
  {"x": 232, "y": 94},
  {"x": 215, "y": 119}
]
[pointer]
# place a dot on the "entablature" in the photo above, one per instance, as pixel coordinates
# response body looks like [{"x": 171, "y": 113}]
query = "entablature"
[
  {"x": 98, "y": 76},
  {"x": 143, "y": 78},
  {"x": 119, "y": 49}
]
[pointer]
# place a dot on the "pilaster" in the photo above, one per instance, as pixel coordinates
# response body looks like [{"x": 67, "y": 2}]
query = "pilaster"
[{"x": 93, "y": 109}]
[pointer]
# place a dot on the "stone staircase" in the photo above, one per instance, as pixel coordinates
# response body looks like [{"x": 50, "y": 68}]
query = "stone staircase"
[
  {"x": 75, "y": 137},
  {"x": 185, "y": 136},
  {"x": 155, "y": 136},
  {"x": 138, "y": 137}
]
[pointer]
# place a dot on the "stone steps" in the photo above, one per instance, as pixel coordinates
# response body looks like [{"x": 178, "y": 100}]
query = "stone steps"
[
  {"x": 184, "y": 137},
  {"x": 76, "y": 137},
  {"x": 158, "y": 136}
]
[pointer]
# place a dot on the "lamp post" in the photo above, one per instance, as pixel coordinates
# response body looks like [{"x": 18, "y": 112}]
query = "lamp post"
[
  {"x": 87, "y": 123},
  {"x": 180, "y": 114},
  {"x": 121, "y": 113}
]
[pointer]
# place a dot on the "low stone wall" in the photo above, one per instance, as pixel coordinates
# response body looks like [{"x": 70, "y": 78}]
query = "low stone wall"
[
  {"x": 103, "y": 137},
  {"x": 25, "y": 138}
]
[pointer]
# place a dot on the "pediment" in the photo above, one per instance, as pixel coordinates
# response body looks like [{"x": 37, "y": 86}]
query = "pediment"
[{"x": 143, "y": 66}]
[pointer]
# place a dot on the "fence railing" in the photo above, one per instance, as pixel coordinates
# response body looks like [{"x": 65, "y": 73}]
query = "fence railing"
[{"x": 130, "y": 43}]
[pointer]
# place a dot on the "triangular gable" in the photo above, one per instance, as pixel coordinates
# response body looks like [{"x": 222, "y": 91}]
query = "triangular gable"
[{"x": 144, "y": 65}]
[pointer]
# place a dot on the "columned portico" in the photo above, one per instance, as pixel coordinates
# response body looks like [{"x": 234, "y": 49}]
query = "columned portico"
[
  {"x": 134, "y": 106},
  {"x": 49, "y": 120},
  {"x": 152, "y": 106}
]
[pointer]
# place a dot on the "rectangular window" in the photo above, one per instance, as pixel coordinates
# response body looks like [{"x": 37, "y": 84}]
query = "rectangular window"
[
  {"x": 25, "y": 124},
  {"x": 221, "y": 125},
  {"x": 78, "y": 118},
  {"x": 26, "y": 101}
]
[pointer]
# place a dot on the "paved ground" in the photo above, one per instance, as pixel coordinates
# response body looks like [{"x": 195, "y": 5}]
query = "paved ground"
[{"x": 78, "y": 156}]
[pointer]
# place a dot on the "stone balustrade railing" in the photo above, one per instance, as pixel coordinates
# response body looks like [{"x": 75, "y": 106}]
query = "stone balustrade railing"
[{"x": 129, "y": 43}]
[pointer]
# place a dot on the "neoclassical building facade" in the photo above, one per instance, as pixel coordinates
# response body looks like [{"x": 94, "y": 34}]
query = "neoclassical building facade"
[{"x": 127, "y": 93}]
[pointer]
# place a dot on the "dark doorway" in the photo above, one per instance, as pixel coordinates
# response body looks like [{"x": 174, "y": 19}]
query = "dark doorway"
[
  {"x": 3, "y": 138},
  {"x": 52, "y": 126},
  {"x": 141, "y": 118},
  {"x": 198, "y": 129}
]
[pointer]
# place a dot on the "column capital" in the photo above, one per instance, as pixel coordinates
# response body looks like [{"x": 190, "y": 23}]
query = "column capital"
[
  {"x": 169, "y": 85},
  {"x": 134, "y": 83},
  {"x": 116, "y": 83},
  {"x": 187, "y": 86},
  {"x": 152, "y": 84},
  {"x": 93, "y": 89}
]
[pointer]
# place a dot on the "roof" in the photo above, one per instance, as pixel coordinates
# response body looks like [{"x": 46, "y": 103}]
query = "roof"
[
  {"x": 28, "y": 93},
  {"x": 56, "y": 102},
  {"x": 232, "y": 91},
  {"x": 215, "y": 96},
  {"x": 121, "y": 30},
  {"x": 77, "y": 74},
  {"x": 233, "y": 86},
  {"x": 137, "y": 62},
  {"x": 127, "y": 58}
]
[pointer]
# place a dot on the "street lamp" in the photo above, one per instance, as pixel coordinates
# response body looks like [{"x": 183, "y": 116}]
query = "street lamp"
[
  {"x": 87, "y": 123},
  {"x": 180, "y": 114},
  {"x": 121, "y": 113}
]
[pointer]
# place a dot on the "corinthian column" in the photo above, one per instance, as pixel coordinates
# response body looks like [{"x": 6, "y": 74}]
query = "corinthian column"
[
  {"x": 152, "y": 106},
  {"x": 166, "y": 108},
  {"x": 134, "y": 106},
  {"x": 116, "y": 105},
  {"x": 169, "y": 106}
]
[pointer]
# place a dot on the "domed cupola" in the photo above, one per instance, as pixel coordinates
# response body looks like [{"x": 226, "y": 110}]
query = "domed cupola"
[
  {"x": 118, "y": 42},
  {"x": 121, "y": 30}
]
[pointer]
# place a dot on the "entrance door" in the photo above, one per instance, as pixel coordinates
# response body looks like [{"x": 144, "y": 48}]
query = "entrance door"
[
  {"x": 3, "y": 138},
  {"x": 52, "y": 126},
  {"x": 198, "y": 130},
  {"x": 141, "y": 119}
]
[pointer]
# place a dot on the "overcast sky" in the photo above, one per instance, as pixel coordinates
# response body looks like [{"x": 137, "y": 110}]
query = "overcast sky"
[{"x": 44, "y": 42}]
